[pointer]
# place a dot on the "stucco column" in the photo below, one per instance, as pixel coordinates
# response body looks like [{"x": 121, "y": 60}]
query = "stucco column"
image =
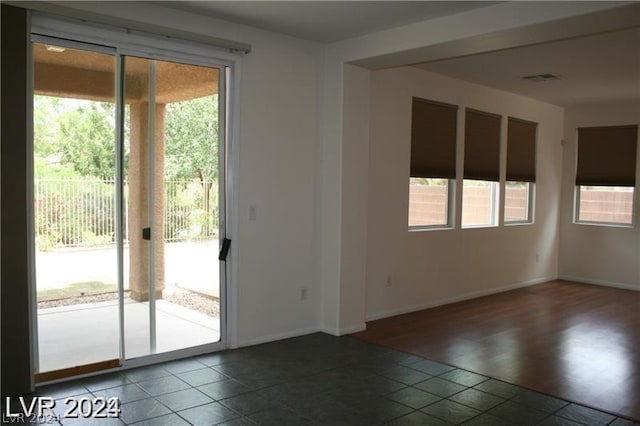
[{"x": 139, "y": 208}]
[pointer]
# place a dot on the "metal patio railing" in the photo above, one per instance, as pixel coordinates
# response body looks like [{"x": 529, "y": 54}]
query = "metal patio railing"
[{"x": 82, "y": 212}]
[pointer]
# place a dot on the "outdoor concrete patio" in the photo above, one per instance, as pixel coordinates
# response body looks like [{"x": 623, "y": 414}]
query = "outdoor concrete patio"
[
  {"x": 87, "y": 333},
  {"x": 190, "y": 264}
]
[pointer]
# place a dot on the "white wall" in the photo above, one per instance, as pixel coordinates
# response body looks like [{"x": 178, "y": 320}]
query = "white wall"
[
  {"x": 275, "y": 156},
  {"x": 277, "y": 172},
  {"x": 596, "y": 254},
  {"x": 503, "y": 25},
  {"x": 433, "y": 267},
  {"x": 355, "y": 158}
]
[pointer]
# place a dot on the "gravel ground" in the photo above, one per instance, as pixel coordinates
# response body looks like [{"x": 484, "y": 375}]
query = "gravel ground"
[
  {"x": 77, "y": 300},
  {"x": 207, "y": 305}
]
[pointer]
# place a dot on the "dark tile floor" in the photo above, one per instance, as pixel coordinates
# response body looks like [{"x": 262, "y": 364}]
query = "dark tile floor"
[{"x": 318, "y": 380}]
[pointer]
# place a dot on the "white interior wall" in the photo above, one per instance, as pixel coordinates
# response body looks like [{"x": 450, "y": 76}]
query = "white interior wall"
[
  {"x": 277, "y": 173},
  {"x": 429, "y": 268},
  {"x": 498, "y": 26},
  {"x": 355, "y": 158},
  {"x": 275, "y": 160},
  {"x": 591, "y": 253}
]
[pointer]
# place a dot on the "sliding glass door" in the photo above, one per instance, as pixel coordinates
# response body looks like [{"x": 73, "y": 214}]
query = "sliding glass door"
[
  {"x": 128, "y": 206},
  {"x": 172, "y": 136},
  {"x": 74, "y": 161}
]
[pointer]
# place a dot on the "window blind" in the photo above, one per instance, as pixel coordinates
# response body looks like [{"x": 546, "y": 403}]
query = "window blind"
[
  {"x": 521, "y": 150},
  {"x": 433, "y": 139},
  {"x": 482, "y": 145},
  {"x": 607, "y": 156}
]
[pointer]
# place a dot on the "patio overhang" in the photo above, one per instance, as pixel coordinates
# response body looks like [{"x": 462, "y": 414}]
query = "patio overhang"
[{"x": 77, "y": 74}]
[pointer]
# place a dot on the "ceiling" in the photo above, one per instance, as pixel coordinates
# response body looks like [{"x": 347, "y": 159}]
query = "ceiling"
[
  {"x": 597, "y": 68},
  {"x": 325, "y": 21},
  {"x": 591, "y": 69}
]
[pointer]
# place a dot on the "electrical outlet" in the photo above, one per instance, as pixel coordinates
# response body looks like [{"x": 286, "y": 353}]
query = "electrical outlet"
[
  {"x": 537, "y": 257},
  {"x": 388, "y": 280},
  {"x": 253, "y": 212},
  {"x": 303, "y": 293}
]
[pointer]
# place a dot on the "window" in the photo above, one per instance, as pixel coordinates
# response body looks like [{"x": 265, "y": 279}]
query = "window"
[
  {"x": 605, "y": 204},
  {"x": 481, "y": 168},
  {"x": 429, "y": 202},
  {"x": 606, "y": 174},
  {"x": 433, "y": 164},
  {"x": 518, "y": 201},
  {"x": 521, "y": 171},
  {"x": 479, "y": 202}
]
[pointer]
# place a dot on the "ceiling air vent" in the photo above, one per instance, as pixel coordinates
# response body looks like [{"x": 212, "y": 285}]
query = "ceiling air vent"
[{"x": 547, "y": 76}]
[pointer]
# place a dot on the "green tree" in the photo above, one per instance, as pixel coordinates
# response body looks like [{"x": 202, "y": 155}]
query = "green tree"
[
  {"x": 47, "y": 155},
  {"x": 191, "y": 144},
  {"x": 45, "y": 128},
  {"x": 191, "y": 139},
  {"x": 74, "y": 137},
  {"x": 87, "y": 139}
]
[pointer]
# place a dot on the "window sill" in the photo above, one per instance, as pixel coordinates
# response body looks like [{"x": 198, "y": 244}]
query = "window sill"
[
  {"x": 493, "y": 225},
  {"x": 605, "y": 224},
  {"x": 430, "y": 228},
  {"x": 518, "y": 223}
]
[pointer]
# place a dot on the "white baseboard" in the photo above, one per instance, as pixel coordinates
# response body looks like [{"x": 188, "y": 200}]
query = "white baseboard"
[
  {"x": 278, "y": 336},
  {"x": 344, "y": 330},
  {"x": 328, "y": 330},
  {"x": 623, "y": 286},
  {"x": 446, "y": 301},
  {"x": 301, "y": 332},
  {"x": 353, "y": 329}
]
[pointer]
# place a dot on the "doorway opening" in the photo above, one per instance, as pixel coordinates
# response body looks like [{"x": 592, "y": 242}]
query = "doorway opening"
[{"x": 128, "y": 188}]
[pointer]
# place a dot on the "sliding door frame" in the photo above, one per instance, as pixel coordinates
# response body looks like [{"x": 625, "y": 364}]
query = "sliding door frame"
[
  {"x": 93, "y": 48},
  {"x": 120, "y": 43},
  {"x": 223, "y": 191}
]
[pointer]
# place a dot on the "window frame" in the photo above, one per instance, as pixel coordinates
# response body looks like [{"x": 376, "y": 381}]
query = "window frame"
[
  {"x": 516, "y": 135},
  {"x": 578, "y": 221},
  {"x": 530, "y": 205},
  {"x": 443, "y": 163},
  {"x": 588, "y": 171},
  {"x": 451, "y": 183},
  {"x": 494, "y": 206}
]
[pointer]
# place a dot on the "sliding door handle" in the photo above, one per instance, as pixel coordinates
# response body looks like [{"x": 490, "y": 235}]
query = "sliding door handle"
[
  {"x": 146, "y": 234},
  {"x": 224, "y": 250}
]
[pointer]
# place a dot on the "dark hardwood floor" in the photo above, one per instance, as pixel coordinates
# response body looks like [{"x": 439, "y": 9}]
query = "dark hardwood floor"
[{"x": 575, "y": 341}]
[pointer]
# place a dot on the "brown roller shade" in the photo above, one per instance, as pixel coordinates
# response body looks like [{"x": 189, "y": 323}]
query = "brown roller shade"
[
  {"x": 433, "y": 139},
  {"x": 482, "y": 145},
  {"x": 607, "y": 156},
  {"x": 521, "y": 150}
]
